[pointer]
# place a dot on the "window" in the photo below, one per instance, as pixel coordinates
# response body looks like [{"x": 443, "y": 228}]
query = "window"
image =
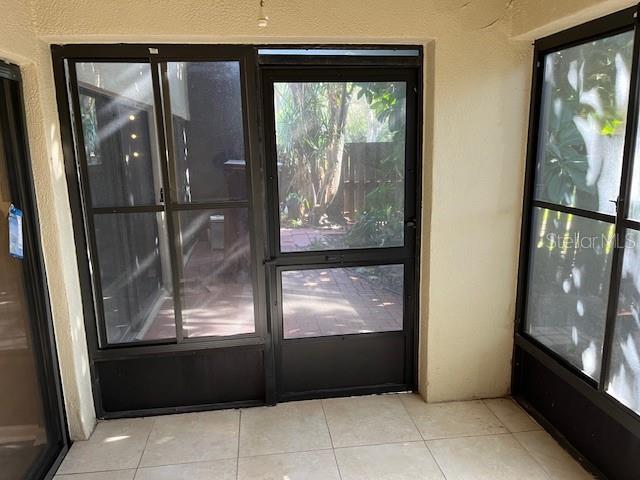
[
  {"x": 341, "y": 163},
  {"x": 172, "y": 245},
  {"x": 211, "y": 188},
  {"x": 319, "y": 302},
  {"x": 581, "y": 299},
  {"x": 125, "y": 190}
]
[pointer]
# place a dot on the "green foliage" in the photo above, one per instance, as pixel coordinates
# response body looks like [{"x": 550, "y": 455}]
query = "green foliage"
[
  {"x": 565, "y": 162},
  {"x": 611, "y": 126},
  {"x": 581, "y": 82},
  {"x": 308, "y": 127},
  {"x": 382, "y": 221},
  {"x": 382, "y": 227},
  {"x": 312, "y": 120},
  {"x": 387, "y": 100},
  {"x": 89, "y": 119}
]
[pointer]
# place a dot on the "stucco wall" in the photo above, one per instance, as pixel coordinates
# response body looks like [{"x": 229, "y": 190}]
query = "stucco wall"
[
  {"x": 534, "y": 19},
  {"x": 476, "y": 99},
  {"x": 19, "y": 44}
]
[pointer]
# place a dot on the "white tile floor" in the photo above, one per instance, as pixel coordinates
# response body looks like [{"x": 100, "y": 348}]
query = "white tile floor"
[{"x": 360, "y": 438}]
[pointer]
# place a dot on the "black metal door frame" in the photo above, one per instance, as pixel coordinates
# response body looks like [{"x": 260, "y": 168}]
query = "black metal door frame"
[
  {"x": 13, "y": 124},
  {"x": 384, "y": 344},
  {"x": 111, "y": 363}
]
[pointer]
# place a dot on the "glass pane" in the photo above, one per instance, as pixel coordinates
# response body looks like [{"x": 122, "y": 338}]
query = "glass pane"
[
  {"x": 341, "y": 154},
  {"x": 340, "y": 301},
  {"x": 135, "y": 274},
  {"x": 118, "y": 125},
  {"x": 582, "y": 123},
  {"x": 568, "y": 286},
  {"x": 340, "y": 52},
  {"x": 624, "y": 373},
  {"x": 206, "y": 107},
  {"x": 634, "y": 199},
  {"x": 217, "y": 291},
  {"x": 23, "y": 429}
]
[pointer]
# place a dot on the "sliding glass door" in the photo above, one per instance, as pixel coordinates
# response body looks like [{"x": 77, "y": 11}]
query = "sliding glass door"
[
  {"x": 172, "y": 242},
  {"x": 32, "y": 430},
  {"x": 209, "y": 180},
  {"x": 164, "y": 164}
]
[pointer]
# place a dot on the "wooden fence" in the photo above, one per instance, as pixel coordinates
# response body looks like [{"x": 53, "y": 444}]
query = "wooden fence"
[{"x": 362, "y": 172}]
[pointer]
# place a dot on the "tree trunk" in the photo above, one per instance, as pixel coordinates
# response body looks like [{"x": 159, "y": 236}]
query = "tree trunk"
[{"x": 338, "y": 100}]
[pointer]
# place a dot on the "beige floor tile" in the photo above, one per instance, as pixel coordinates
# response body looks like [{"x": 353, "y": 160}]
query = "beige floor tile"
[
  {"x": 319, "y": 465},
  {"x": 454, "y": 419},
  {"x": 192, "y": 437},
  {"x": 114, "y": 445},
  {"x": 369, "y": 420},
  {"x": 511, "y": 415},
  {"x": 494, "y": 457},
  {"x": 111, "y": 475},
  {"x": 218, "y": 470},
  {"x": 557, "y": 462},
  {"x": 287, "y": 427},
  {"x": 397, "y": 461}
]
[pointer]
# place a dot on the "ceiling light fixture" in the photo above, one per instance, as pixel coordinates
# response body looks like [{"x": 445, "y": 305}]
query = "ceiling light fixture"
[{"x": 263, "y": 20}]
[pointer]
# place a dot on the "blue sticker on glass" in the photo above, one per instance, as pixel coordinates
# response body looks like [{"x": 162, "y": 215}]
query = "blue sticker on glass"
[{"x": 15, "y": 232}]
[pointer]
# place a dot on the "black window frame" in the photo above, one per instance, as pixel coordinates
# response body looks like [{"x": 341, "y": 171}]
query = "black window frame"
[
  {"x": 66, "y": 57},
  {"x": 529, "y": 351}
]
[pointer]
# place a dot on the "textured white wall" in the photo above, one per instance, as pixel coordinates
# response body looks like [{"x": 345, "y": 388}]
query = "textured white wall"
[
  {"x": 18, "y": 44},
  {"x": 476, "y": 97},
  {"x": 534, "y": 19}
]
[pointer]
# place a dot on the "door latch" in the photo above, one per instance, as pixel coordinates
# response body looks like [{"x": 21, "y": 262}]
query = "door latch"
[
  {"x": 268, "y": 260},
  {"x": 616, "y": 202},
  {"x": 619, "y": 203}
]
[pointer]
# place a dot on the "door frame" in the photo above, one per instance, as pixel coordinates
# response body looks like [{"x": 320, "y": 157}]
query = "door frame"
[
  {"x": 406, "y": 255},
  {"x": 254, "y": 58},
  {"x": 36, "y": 292}
]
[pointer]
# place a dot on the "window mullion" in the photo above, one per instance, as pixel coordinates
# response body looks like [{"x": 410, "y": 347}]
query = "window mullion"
[
  {"x": 85, "y": 197},
  {"x": 162, "y": 110}
]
